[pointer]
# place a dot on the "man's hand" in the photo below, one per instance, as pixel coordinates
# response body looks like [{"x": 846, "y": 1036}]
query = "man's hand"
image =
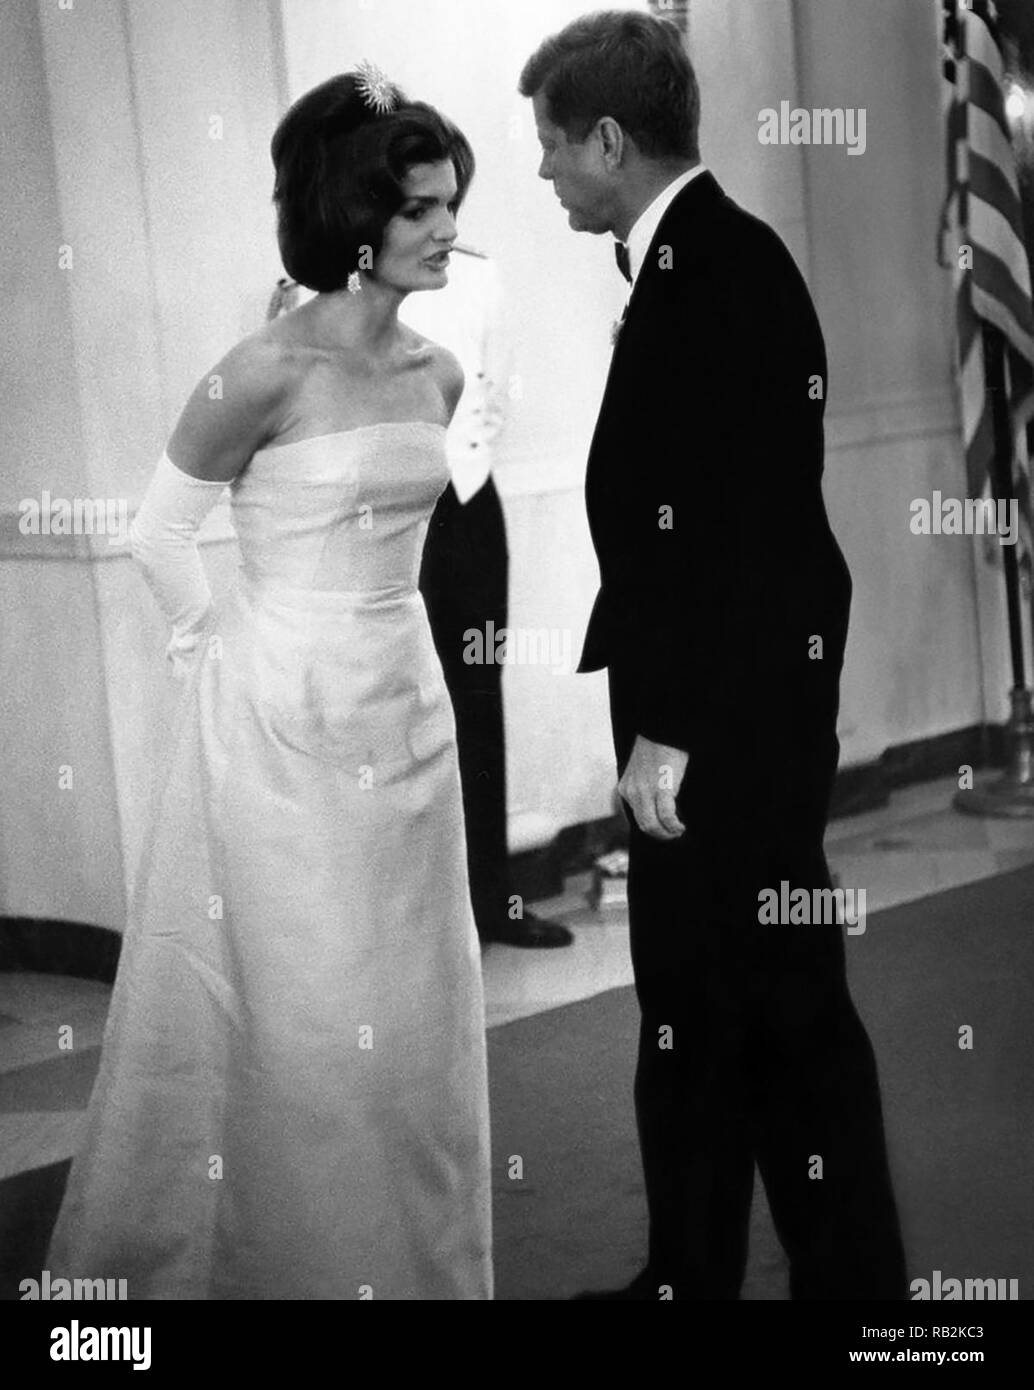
[{"x": 650, "y": 783}]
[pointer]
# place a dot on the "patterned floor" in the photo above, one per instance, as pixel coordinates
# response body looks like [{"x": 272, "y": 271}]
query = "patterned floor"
[{"x": 916, "y": 846}]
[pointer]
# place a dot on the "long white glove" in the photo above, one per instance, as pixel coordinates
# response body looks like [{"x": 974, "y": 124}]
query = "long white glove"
[{"x": 163, "y": 541}]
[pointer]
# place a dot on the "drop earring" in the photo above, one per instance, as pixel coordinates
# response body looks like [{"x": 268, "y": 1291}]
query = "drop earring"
[{"x": 355, "y": 283}]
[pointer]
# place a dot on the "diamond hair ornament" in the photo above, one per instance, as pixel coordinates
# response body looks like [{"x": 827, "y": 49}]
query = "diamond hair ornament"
[{"x": 375, "y": 88}]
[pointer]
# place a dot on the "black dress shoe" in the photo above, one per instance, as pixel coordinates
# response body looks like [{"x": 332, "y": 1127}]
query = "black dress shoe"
[
  {"x": 644, "y": 1288},
  {"x": 528, "y": 931}
]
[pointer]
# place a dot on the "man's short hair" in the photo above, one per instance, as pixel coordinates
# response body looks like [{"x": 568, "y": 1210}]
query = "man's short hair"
[
  {"x": 629, "y": 66},
  {"x": 340, "y": 167}
]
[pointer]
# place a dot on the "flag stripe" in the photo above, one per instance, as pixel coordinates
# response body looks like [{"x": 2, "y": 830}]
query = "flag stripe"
[
  {"x": 985, "y": 94},
  {"x": 991, "y": 186},
  {"x": 985, "y": 139},
  {"x": 981, "y": 45},
  {"x": 982, "y": 211},
  {"x": 994, "y": 282}
]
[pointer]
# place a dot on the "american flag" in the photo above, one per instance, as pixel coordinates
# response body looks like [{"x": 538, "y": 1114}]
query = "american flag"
[{"x": 982, "y": 212}]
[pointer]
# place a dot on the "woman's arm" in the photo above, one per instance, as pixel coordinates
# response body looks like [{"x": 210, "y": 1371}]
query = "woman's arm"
[
  {"x": 163, "y": 541},
  {"x": 230, "y": 413},
  {"x": 233, "y": 410}
]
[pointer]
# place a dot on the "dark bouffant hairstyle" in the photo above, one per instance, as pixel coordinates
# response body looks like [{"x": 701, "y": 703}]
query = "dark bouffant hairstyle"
[
  {"x": 339, "y": 172},
  {"x": 629, "y": 66}
]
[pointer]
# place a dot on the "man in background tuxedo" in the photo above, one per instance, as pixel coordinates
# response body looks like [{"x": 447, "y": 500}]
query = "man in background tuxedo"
[
  {"x": 722, "y": 619},
  {"x": 464, "y": 578}
]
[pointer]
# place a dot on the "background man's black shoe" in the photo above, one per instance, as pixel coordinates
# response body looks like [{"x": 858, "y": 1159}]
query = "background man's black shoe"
[
  {"x": 528, "y": 931},
  {"x": 644, "y": 1288}
]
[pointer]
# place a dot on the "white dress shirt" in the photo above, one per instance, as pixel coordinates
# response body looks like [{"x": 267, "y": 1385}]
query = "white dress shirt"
[
  {"x": 644, "y": 228},
  {"x": 467, "y": 317}
]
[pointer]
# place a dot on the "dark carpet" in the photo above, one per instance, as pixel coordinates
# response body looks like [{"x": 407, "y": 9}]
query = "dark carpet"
[
  {"x": 960, "y": 1124},
  {"x": 569, "y": 1211}
]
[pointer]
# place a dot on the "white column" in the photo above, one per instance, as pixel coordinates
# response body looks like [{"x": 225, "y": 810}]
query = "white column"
[{"x": 138, "y": 218}]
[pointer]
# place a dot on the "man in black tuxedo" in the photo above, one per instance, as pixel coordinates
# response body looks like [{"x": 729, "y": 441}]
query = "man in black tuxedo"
[{"x": 722, "y": 619}]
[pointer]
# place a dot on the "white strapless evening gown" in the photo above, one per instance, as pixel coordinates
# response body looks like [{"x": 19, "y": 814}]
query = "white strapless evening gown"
[{"x": 292, "y": 1096}]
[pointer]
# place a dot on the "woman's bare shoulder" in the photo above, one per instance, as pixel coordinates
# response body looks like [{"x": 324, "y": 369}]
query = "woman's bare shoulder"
[
  {"x": 446, "y": 368},
  {"x": 236, "y": 406},
  {"x": 279, "y": 347}
]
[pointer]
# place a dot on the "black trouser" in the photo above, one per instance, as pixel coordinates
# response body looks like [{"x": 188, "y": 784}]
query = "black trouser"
[
  {"x": 463, "y": 579},
  {"x": 768, "y": 1060}
]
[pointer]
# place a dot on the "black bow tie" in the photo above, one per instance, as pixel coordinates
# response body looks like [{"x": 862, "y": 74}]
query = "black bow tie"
[{"x": 621, "y": 256}]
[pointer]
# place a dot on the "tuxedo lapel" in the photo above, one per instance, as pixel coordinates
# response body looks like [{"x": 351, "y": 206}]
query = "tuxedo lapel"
[{"x": 686, "y": 223}]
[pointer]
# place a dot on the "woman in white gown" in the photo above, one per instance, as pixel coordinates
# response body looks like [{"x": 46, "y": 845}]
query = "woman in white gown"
[{"x": 292, "y": 1097}]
